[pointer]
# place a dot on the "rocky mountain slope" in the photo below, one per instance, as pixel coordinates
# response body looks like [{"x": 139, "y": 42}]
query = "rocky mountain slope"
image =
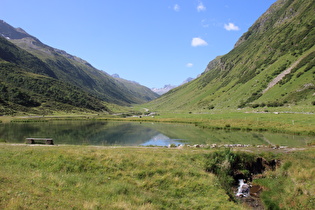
[{"x": 272, "y": 64}]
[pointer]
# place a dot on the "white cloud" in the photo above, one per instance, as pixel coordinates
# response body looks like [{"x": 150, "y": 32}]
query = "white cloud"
[
  {"x": 231, "y": 27},
  {"x": 189, "y": 65},
  {"x": 176, "y": 7},
  {"x": 198, "y": 42},
  {"x": 201, "y": 7}
]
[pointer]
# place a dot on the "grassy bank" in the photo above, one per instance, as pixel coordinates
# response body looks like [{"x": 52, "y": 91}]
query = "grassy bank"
[
  {"x": 292, "y": 186},
  {"x": 64, "y": 177}
]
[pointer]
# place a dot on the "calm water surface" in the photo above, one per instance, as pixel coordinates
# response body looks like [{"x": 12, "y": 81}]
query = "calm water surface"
[{"x": 135, "y": 133}]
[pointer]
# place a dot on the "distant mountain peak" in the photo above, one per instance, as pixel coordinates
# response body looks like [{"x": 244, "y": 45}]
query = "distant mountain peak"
[
  {"x": 10, "y": 32},
  {"x": 21, "y": 30},
  {"x": 169, "y": 87},
  {"x": 188, "y": 80},
  {"x": 163, "y": 90}
]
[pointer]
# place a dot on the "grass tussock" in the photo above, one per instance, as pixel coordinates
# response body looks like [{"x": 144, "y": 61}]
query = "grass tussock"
[{"x": 292, "y": 185}]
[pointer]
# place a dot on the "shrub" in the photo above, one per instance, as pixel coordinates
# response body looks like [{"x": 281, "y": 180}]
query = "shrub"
[
  {"x": 172, "y": 145},
  {"x": 274, "y": 104},
  {"x": 210, "y": 107},
  {"x": 299, "y": 74},
  {"x": 255, "y": 105}
]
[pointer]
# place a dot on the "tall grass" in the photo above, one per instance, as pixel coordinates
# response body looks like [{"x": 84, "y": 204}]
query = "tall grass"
[
  {"x": 81, "y": 177},
  {"x": 292, "y": 186}
]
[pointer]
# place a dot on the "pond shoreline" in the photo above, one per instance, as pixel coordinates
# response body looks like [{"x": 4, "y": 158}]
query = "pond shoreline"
[
  {"x": 281, "y": 122},
  {"x": 241, "y": 149},
  {"x": 133, "y": 133}
]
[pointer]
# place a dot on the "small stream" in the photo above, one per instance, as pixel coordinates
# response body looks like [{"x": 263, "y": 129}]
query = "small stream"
[
  {"x": 243, "y": 189},
  {"x": 249, "y": 195}
]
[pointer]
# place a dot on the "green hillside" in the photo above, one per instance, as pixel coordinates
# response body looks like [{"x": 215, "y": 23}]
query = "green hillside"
[
  {"x": 43, "y": 74},
  {"x": 80, "y": 73},
  {"x": 28, "y": 85},
  {"x": 271, "y": 65}
]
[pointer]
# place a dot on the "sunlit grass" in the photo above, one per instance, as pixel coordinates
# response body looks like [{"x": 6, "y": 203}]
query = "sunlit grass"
[
  {"x": 107, "y": 178},
  {"x": 296, "y": 123},
  {"x": 292, "y": 186},
  {"x": 63, "y": 177}
]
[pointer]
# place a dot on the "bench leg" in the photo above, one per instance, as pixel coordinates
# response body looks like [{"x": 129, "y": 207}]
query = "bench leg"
[
  {"x": 50, "y": 142},
  {"x": 30, "y": 141}
]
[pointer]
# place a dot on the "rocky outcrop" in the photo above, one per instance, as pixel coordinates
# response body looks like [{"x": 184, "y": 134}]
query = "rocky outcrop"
[
  {"x": 265, "y": 21},
  {"x": 214, "y": 64}
]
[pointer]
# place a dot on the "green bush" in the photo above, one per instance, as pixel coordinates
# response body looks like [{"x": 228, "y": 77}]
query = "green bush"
[
  {"x": 210, "y": 107},
  {"x": 274, "y": 104}
]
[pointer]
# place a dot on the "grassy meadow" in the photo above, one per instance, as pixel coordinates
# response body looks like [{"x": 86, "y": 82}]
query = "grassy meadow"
[
  {"x": 297, "y": 121},
  {"x": 70, "y": 177},
  {"x": 87, "y": 177}
]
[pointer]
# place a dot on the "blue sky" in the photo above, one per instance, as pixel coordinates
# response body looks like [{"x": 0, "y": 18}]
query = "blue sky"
[{"x": 153, "y": 42}]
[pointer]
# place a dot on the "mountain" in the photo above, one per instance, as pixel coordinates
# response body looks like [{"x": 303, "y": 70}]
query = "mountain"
[
  {"x": 272, "y": 64},
  {"x": 27, "y": 54},
  {"x": 169, "y": 87},
  {"x": 136, "y": 90},
  {"x": 28, "y": 84},
  {"x": 164, "y": 89}
]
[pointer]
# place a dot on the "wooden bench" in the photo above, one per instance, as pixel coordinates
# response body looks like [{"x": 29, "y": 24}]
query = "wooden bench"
[{"x": 37, "y": 140}]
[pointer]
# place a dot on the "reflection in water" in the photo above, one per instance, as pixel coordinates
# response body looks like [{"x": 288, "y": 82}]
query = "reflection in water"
[
  {"x": 161, "y": 140},
  {"x": 133, "y": 133}
]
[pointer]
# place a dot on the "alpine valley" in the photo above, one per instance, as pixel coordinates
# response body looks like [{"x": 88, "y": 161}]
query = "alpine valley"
[
  {"x": 249, "y": 101},
  {"x": 271, "y": 65}
]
